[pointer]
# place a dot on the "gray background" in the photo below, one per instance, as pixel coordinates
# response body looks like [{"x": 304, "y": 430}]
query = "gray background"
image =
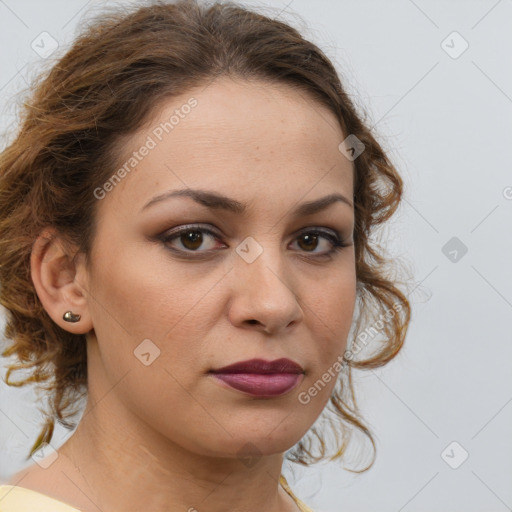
[{"x": 446, "y": 120}]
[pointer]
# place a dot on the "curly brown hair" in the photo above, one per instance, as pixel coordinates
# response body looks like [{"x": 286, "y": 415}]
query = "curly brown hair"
[{"x": 114, "y": 74}]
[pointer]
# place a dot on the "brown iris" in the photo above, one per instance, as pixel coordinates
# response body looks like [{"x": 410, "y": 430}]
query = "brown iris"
[
  {"x": 192, "y": 239},
  {"x": 311, "y": 241}
]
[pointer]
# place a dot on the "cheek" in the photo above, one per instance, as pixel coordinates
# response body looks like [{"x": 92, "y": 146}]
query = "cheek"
[
  {"x": 330, "y": 311},
  {"x": 332, "y": 305},
  {"x": 139, "y": 294}
]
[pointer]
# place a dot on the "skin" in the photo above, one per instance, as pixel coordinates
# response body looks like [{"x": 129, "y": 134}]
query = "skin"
[{"x": 167, "y": 436}]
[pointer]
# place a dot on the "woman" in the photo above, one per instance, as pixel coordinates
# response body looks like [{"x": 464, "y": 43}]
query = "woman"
[{"x": 185, "y": 236}]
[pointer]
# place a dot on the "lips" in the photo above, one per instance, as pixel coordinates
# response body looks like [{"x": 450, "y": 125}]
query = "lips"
[
  {"x": 260, "y": 378},
  {"x": 262, "y": 367}
]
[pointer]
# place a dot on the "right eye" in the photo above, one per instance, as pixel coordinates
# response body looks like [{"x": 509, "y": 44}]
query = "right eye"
[{"x": 190, "y": 238}]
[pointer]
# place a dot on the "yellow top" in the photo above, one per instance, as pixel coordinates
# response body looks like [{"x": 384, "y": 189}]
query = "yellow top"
[{"x": 19, "y": 499}]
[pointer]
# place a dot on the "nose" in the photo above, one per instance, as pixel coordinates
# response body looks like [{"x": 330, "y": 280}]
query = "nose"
[{"x": 263, "y": 295}]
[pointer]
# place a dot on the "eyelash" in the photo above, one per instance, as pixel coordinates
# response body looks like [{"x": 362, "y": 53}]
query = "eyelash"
[{"x": 334, "y": 239}]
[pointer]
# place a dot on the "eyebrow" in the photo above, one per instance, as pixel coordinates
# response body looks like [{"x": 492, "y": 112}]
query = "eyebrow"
[{"x": 213, "y": 200}]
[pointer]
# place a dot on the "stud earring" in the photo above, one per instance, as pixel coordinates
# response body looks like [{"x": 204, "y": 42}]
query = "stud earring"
[{"x": 69, "y": 316}]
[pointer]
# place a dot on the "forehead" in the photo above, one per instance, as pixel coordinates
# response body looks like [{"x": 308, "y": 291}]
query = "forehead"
[{"x": 234, "y": 134}]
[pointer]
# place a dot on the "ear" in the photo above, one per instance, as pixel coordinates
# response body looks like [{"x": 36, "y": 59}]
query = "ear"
[{"x": 60, "y": 281}]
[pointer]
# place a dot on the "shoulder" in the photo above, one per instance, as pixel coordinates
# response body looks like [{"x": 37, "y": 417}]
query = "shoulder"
[
  {"x": 36, "y": 489},
  {"x": 32, "y": 478},
  {"x": 20, "y": 499},
  {"x": 25, "y": 474}
]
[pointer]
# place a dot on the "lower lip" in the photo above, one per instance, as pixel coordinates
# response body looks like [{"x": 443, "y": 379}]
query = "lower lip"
[{"x": 261, "y": 385}]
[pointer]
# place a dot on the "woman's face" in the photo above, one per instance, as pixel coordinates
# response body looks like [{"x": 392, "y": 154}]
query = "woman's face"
[{"x": 168, "y": 308}]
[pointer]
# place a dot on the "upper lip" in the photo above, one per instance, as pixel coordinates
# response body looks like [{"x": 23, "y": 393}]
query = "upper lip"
[{"x": 261, "y": 366}]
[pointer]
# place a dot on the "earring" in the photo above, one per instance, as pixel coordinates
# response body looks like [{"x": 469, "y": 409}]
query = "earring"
[{"x": 69, "y": 316}]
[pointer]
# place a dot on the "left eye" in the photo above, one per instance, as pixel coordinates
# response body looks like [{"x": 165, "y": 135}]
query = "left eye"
[
  {"x": 192, "y": 238},
  {"x": 312, "y": 238}
]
